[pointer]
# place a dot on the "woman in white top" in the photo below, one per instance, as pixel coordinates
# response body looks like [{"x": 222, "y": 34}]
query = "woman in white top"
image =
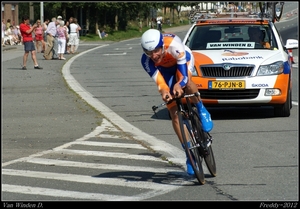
[
  {"x": 73, "y": 37},
  {"x": 78, "y": 35}
]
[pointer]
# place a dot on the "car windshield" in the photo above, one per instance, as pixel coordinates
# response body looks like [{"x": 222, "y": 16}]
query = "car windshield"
[{"x": 212, "y": 37}]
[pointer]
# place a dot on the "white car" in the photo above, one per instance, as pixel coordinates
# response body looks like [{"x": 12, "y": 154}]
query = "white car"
[{"x": 232, "y": 70}]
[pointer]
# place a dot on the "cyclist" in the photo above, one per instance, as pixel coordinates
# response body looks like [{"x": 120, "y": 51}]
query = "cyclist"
[{"x": 169, "y": 62}]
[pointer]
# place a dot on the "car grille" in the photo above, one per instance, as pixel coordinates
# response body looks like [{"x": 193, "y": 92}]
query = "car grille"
[
  {"x": 219, "y": 71},
  {"x": 229, "y": 94},
  {"x": 232, "y": 70}
]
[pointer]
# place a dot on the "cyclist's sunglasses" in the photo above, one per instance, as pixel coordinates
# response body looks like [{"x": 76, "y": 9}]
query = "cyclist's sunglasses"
[{"x": 150, "y": 53}]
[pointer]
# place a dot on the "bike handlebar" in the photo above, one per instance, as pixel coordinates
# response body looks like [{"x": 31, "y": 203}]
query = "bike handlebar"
[{"x": 155, "y": 107}]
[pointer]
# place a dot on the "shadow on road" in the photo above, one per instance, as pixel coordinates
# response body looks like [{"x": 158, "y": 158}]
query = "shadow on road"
[
  {"x": 226, "y": 113},
  {"x": 160, "y": 178}
]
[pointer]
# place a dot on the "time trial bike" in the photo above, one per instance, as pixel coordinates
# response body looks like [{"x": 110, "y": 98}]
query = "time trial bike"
[{"x": 197, "y": 143}]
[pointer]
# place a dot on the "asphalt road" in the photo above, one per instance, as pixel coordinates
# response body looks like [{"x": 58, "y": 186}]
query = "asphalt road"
[{"x": 46, "y": 127}]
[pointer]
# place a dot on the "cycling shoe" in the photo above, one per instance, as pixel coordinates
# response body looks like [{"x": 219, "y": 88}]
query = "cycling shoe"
[
  {"x": 189, "y": 168},
  {"x": 207, "y": 124}
]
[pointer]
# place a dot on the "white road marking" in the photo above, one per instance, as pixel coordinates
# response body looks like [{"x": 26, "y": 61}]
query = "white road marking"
[
  {"x": 124, "y": 53},
  {"x": 122, "y": 48},
  {"x": 61, "y": 193},
  {"x": 68, "y": 163},
  {"x": 108, "y": 144},
  {"x": 88, "y": 179},
  {"x": 107, "y": 154},
  {"x": 152, "y": 188}
]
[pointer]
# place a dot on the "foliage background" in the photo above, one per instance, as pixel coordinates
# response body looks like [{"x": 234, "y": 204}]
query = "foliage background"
[{"x": 112, "y": 16}]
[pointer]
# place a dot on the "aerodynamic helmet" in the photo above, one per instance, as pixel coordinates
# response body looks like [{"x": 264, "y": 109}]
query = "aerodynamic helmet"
[{"x": 151, "y": 40}]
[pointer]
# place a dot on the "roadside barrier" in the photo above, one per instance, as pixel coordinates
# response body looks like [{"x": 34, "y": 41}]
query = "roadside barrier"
[{"x": 291, "y": 56}]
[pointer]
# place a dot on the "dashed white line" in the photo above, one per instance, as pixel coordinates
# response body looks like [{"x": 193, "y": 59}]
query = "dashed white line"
[
  {"x": 106, "y": 154},
  {"x": 61, "y": 193},
  {"x": 68, "y": 163},
  {"x": 88, "y": 179}
]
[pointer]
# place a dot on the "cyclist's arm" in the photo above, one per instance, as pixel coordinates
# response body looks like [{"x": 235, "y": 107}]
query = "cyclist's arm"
[
  {"x": 153, "y": 72},
  {"x": 177, "y": 49},
  {"x": 183, "y": 71}
]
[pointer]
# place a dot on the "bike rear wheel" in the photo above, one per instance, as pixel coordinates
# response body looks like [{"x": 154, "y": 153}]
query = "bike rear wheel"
[
  {"x": 210, "y": 160},
  {"x": 191, "y": 149},
  {"x": 203, "y": 139}
]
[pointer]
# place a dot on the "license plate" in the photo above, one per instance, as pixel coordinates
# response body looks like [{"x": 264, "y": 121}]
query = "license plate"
[{"x": 226, "y": 85}]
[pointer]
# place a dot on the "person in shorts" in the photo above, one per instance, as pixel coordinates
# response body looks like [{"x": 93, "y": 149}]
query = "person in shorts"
[
  {"x": 39, "y": 39},
  {"x": 26, "y": 32}
]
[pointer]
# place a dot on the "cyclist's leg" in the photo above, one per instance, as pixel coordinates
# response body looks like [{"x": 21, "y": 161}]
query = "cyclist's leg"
[
  {"x": 206, "y": 121},
  {"x": 175, "y": 123},
  {"x": 191, "y": 87}
]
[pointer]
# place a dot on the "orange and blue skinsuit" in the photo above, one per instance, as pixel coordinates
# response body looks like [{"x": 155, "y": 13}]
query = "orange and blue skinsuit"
[{"x": 174, "y": 67}]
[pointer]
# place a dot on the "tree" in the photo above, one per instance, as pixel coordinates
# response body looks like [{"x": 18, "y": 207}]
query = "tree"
[{"x": 114, "y": 15}]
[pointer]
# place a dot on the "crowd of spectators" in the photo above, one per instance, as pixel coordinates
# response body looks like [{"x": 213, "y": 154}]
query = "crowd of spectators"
[{"x": 11, "y": 35}]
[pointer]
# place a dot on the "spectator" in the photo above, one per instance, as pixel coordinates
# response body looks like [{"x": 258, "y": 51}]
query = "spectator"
[
  {"x": 103, "y": 34},
  {"x": 78, "y": 35},
  {"x": 66, "y": 26},
  {"x": 26, "y": 32},
  {"x": 158, "y": 22},
  {"x": 256, "y": 35},
  {"x": 73, "y": 38},
  {"x": 38, "y": 32},
  {"x": 51, "y": 33},
  {"x": 11, "y": 37},
  {"x": 17, "y": 34},
  {"x": 55, "y": 47},
  {"x": 8, "y": 24},
  {"x": 3, "y": 32},
  {"x": 68, "y": 43},
  {"x": 61, "y": 34},
  {"x": 45, "y": 25}
]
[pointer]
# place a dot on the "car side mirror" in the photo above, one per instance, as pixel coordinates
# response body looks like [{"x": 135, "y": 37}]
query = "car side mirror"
[{"x": 291, "y": 44}]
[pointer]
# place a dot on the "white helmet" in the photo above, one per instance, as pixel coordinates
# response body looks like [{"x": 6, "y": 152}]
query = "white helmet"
[{"x": 152, "y": 39}]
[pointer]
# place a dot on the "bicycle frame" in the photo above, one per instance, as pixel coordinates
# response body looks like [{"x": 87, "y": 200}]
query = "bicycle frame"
[
  {"x": 187, "y": 114},
  {"x": 197, "y": 143}
]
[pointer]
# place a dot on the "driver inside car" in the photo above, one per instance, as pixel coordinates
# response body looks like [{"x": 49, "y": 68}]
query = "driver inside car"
[{"x": 256, "y": 35}]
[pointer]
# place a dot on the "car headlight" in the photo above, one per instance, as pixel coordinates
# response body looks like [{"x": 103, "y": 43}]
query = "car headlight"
[
  {"x": 271, "y": 69},
  {"x": 194, "y": 71}
]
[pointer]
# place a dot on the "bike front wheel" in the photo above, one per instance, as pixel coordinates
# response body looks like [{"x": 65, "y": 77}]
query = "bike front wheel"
[
  {"x": 204, "y": 140},
  {"x": 191, "y": 148}
]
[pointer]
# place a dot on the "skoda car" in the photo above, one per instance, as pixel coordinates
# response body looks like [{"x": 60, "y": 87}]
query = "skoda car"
[{"x": 231, "y": 69}]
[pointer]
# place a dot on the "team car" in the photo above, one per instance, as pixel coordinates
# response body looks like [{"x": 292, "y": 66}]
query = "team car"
[{"x": 233, "y": 70}]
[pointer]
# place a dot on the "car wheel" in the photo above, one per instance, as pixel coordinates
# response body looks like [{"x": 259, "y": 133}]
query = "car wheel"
[{"x": 285, "y": 109}]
